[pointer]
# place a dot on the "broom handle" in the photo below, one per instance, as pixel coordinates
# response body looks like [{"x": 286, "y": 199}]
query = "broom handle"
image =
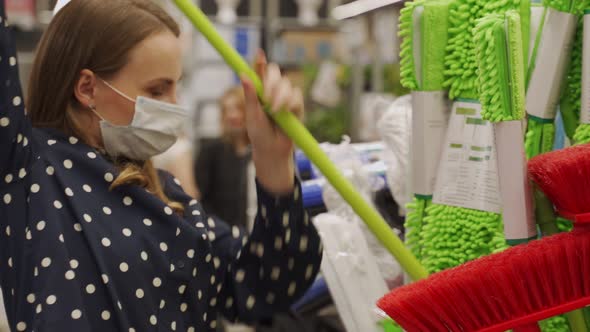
[
  {"x": 305, "y": 141},
  {"x": 577, "y": 321}
]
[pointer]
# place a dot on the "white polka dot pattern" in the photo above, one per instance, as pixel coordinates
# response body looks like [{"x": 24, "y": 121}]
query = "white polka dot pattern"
[{"x": 130, "y": 256}]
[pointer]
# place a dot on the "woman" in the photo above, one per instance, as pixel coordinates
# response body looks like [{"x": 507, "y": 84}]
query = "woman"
[
  {"x": 221, "y": 169},
  {"x": 93, "y": 238}
]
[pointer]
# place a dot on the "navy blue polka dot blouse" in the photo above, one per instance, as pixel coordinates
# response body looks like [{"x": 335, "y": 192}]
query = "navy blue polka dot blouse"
[{"x": 76, "y": 256}]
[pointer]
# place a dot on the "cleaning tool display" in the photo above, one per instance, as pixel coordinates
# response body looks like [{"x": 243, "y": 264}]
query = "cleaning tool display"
[
  {"x": 521, "y": 285},
  {"x": 541, "y": 132},
  {"x": 464, "y": 223},
  {"x": 570, "y": 100},
  {"x": 501, "y": 85},
  {"x": 424, "y": 30},
  {"x": 546, "y": 74},
  {"x": 569, "y": 104},
  {"x": 303, "y": 139},
  {"x": 501, "y": 70}
]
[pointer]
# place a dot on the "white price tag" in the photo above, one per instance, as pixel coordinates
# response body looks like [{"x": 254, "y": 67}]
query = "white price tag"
[{"x": 468, "y": 175}]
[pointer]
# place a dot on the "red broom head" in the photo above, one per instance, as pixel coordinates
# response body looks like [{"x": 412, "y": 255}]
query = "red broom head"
[
  {"x": 520, "y": 285},
  {"x": 564, "y": 177}
]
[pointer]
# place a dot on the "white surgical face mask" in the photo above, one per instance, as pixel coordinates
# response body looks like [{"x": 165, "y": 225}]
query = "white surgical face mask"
[{"x": 154, "y": 129}]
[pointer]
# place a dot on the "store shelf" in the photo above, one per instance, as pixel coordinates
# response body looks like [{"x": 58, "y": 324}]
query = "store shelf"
[
  {"x": 361, "y": 7},
  {"x": 290, "y": 65},
  {"x": 241, "y": 21},
  {"x": 287, "y": 23}
]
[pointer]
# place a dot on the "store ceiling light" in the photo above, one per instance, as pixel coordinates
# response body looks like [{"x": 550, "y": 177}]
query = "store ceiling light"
[{"x": 359, "y": 7}]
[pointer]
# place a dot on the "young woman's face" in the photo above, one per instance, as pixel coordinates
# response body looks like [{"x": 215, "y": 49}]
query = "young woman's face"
[
  {"x": 233, "y": 115},
  {"x": 153, "y": 71}
]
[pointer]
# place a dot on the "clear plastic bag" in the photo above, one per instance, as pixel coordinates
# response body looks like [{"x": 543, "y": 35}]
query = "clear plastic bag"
[
  {"x": 349, "y": 162},
  {"x": 395, "y": 128}
]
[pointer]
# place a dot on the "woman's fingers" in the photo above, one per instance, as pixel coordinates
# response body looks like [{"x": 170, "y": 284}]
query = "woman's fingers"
[
  {"x": 282, "y": 96},
  {"x": 252, "y": 103},
  {"x": 271, "y": 81},
  {"x": 260, "y": 65},
  {"x": 296, "y": 104},
  {"x": 255, "y": 115}
]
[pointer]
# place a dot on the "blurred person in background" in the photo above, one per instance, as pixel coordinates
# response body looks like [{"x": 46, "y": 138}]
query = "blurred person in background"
[{"x": 223, "y": 164}]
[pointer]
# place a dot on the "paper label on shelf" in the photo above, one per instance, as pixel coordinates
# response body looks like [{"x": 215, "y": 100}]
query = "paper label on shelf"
[
  {"x": 430, "y": 115},
  {"x": 467, "y": 174},
  {"x": 517, "y": 206},
  {"x": 551, "y": 62},
  {"x": 585, "y": 112}
]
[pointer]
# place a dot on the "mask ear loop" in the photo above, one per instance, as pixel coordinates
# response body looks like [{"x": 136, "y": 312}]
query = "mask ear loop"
[
  {"x": 93, "y": 109},
  {"x": 100, "y": 150},
  {"x": 119, "y": 92}
]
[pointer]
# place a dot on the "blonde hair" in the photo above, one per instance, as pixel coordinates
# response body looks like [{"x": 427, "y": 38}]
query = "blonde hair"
[
  {"x": 236, "y": 93},
  {"x": 97, "y": 35}
]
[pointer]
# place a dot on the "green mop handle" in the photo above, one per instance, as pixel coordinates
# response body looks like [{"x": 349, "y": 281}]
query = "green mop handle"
[{"x": 305, "y": 141}]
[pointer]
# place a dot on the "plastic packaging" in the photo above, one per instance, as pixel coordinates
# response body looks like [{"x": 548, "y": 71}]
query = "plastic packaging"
[
  {"x": 395, "y": 128},
  {"x": 352, "y": 166},
  {"x": 351, "y": 273}
]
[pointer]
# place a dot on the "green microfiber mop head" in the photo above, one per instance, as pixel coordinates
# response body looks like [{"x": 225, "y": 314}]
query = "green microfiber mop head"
[
  {"x": 570, "y": 102},
  {"x": 460, "y": 59},
  {"x": 570, "y": 99},
  {"x": 555, "y": 324},
  {"x": 539, "y": 137},
  {"x": 501, "y": 67},
  {"x": 540, "y": 133},
  {"x": 461, "y": 65},
  {"x": 455, "y": 235},
  {"x": 407, "y": 62},
  {"x": 582, "y": 135},
  {"x": 423, "y": 29},
  {"x": 567, "y": 6},
  {"x": 414, "y": 224}
]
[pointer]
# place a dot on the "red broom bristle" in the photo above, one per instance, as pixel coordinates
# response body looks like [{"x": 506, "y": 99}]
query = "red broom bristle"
[
  {"x": 564, "y": 176},
  {"x": 499, "y": 288}
]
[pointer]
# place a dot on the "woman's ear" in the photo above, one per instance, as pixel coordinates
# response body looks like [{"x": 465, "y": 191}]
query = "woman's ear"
[{"x": 85, "y": 88}]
